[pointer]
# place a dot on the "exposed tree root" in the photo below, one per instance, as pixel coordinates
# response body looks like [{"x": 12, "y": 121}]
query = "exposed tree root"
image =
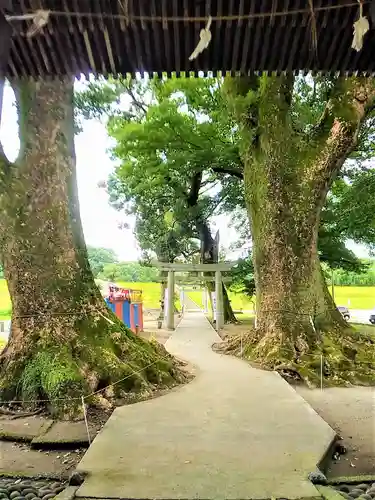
[
  {"x": 342, "y": 357},
  {"x": 101, "y": 360},
  {"x": 16, "y": 414}
]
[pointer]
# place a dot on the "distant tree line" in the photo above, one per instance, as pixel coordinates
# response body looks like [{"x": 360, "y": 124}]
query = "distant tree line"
[
  {"x": 343, "y": 277},
  {"x": 106, "y": 266},
  {"x": 129, "y": 271}
]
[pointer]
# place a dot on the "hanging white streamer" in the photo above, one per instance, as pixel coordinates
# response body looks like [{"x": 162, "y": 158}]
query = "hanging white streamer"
[
  {"x": 205, "y": 38},
  {"x": 361, "y": 27},
  {"x": 39, "y": 19}
]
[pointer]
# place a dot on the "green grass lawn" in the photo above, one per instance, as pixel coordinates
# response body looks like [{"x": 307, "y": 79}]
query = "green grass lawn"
[
  {"x": 359, "y": 297},
  {"x": 5, "y": 303},
  {"x": 354, "y": 297},
  {"x": 238, "y": 301},
  {"x": 150, "y": 293}
]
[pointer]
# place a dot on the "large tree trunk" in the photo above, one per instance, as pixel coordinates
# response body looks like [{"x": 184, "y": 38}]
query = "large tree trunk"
[
  {"x": 209, "y": 255},
  {"x": 286, "y": 180},
  {"x": 291, "y": 298},
  {"x": 64, "y": 342},
  {"x": 209, "y": 247}
]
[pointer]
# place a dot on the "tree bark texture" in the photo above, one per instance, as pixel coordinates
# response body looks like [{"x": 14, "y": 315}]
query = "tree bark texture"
[
  {"x": 64, "y": 342},
  {"x": 286, "y": 180},
  {"x": 209, "y": 248},
  {"x": 209, "y": 255}
]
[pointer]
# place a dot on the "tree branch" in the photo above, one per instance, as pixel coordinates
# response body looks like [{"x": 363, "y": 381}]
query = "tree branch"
[
  {"x": 141, "y": 106},
  {"x": 227, "y": 170},
  {"x": 346, "y": 111},
  {"x": 194, "y": 189},
  {"x": 324, "y": 123},
  {"x": 187, "y": 255}
]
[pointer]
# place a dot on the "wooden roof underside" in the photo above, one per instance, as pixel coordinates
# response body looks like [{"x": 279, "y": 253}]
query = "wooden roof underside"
[{"x": 119, "y": 37}]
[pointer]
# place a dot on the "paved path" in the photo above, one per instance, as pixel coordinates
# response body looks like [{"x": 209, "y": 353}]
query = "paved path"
[
  {"x": 190, "y": 305},
  {"x": 234, "y": 432}
]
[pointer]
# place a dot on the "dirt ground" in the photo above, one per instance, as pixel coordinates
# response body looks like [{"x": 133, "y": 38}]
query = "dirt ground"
[
  {"x": 150, "y": 326},
  {"x": 18, "y": 459},
  {"x": 349, "y": 411}
]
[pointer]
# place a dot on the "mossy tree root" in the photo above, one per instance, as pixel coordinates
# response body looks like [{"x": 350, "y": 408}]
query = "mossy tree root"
[
  {"x": 343, "y": 357},
  {"x": 100, "y": 356}
]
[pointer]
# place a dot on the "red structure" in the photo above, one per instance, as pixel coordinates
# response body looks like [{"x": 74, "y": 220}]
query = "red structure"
[{"x": 127, "y": 305}]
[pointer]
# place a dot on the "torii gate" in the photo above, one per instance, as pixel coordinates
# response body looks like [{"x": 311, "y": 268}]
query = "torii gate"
[{"x": 217, "y": 268}]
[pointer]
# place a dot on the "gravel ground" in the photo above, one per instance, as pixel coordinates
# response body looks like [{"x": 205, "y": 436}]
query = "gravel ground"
[
  {"x": 364, "y": 491},
  {"x": 351, "y": 413},
  {"x": 19, "y": 489}
]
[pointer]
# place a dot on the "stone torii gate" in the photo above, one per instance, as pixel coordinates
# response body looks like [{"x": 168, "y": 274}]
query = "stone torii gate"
[{"x": 187, "y": 268}]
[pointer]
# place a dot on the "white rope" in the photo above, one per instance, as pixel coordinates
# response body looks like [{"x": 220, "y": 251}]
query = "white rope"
[
  {"x": 39, "y": 18},
  {"x": 85, "y": 417}
]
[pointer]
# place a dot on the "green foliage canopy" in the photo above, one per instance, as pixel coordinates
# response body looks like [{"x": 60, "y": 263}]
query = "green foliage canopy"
[
  {"x": 128, "y": 271},
  {"x": 178, "y": 161}
]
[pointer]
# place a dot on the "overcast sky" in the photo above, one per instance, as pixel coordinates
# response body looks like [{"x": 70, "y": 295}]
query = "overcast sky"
[{"x": 100, "y": 221}]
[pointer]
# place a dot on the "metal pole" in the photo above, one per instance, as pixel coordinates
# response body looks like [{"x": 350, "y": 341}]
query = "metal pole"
[
  {"x": 170, "y": 310},
  {"x": 219, "y": 301},
  {"x": 333, "y": 285}
]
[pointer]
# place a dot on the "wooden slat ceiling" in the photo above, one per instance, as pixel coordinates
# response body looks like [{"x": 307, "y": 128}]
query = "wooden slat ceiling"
[{"x": 157, "y": 36}]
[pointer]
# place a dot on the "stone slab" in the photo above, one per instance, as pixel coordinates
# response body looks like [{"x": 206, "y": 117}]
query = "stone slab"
[
  {"x": 67, "y": 494},
  {"x": 234, "y": 432},
  {"x": 21, "y": 461},
  {"x": 65, "y": 433},
  {"x": 329, "y": 493},
  {"x": 23, "y": 429}
]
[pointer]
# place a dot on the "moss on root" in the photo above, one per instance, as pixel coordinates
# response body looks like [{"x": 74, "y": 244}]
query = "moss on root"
[
  {"x": 345, "y": 357},
  {"x": 102, "y": 355}
]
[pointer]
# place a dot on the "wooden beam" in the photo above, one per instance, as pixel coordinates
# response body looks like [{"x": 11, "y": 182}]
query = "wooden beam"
[
  {"x": 192, "y": 280},
  {"x": 221, "y": 266}
]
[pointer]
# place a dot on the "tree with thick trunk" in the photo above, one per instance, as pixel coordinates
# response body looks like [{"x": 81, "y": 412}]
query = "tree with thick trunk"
[
  {"x": 288, "y": 171},
  {"x": 175, "y": 151},
  {"x": 64, "y": 341},
  {"x": 209, "y": 255},
  {"x": 209, "y": 251}
]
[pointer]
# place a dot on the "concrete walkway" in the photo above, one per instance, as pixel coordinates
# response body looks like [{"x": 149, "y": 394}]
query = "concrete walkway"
[{"x": 233, "y": 433}]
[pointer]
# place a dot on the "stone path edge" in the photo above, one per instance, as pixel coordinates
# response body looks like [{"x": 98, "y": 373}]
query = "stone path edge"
[
  {"x": 24, "y": 438},
  {"x": 351, "y": 479},
  {"x": 329, "y": 493},
  {"x": 18, "y": 475},
  {"x": 321, "y": 465}
]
